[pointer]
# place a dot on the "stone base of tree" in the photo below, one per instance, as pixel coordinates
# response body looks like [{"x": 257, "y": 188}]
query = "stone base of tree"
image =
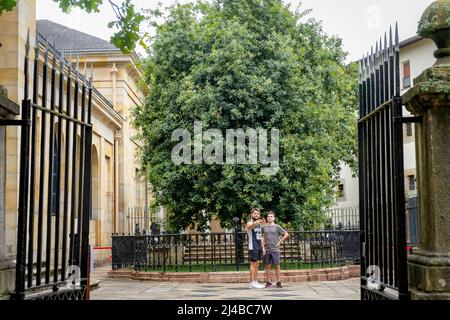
[{"x": 330, "y": 274}]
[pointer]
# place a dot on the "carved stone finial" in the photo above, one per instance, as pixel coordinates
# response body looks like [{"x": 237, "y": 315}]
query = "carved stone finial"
[{"x": 435, "y": 25}]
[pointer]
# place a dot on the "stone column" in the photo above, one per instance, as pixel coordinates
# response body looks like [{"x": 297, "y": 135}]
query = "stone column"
[
  {"x": 14, "y": 27},
  {"x": 8, "y": 110},
  {"x": 429, "y": 266}
]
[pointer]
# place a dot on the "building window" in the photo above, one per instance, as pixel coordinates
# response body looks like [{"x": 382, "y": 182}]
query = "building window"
[
  {"x": 412, "y": 183},
  {"x": 341, "y": 191},
  {"x": 406, "y": 74},
  {"x": 409, "y": 132}
]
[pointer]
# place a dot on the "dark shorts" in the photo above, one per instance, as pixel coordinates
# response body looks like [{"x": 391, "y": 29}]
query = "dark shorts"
[
  {"x": 255, "y": 255},
  {"x": 272, "y": 258}
]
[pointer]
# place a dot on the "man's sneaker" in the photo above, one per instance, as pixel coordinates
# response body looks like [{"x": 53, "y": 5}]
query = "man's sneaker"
[
  {"x": 256, "y": 285},
  {"x": 268, "y": 285},
  {"x": 279, "y": 285}
]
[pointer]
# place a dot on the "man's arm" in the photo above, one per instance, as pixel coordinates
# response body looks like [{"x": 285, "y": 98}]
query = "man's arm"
[
  {"x": 263, "y": 244},
  {"x": 285, "y": 236},
  {"x": 252, "y": 224}
]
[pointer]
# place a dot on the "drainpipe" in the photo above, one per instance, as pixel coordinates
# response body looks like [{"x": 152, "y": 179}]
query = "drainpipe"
[
  {"x": 114, "y": 85},
  {"x": 117, "y": 138}
]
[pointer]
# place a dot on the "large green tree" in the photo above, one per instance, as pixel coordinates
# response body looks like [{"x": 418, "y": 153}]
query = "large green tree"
[
  {"x": 247, "y": 64},
  {"x": 127, "y": 23}
]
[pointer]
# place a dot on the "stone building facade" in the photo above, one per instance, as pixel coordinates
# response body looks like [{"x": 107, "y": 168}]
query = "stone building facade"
[{"x": 116, "y": 80}]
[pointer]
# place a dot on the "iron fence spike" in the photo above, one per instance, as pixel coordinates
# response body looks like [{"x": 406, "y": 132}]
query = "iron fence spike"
[
  {"x": 381, "y": 52},
  {"x": 61, "y": 62},
  {"x": 54, "y": 55},
  {"x": 397, "y": 42},
  {"x": 391, "y": 43},
  {"x": 85, "y": 75},
  {"x": 77, "y": 68},
  {"x": 377, "y": 57},
  {"x": 363, "y": 71},
  {"x": 46, "y": 52},
  {"x": 27, "y": 44},
  {"x": 367, "y": 65},
  {"x": 70, "y": 61},
  {"x": 372, "y": 60},
  {"x": 36, "y": 49},
  {"x": 386, "y": 49},
  {"x": 91, "y": 75}
]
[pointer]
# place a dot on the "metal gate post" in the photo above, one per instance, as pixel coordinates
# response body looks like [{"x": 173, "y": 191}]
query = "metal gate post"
[{"x": 19, "y": 293}]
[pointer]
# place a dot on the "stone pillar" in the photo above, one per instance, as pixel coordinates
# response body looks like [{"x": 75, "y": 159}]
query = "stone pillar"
[
  {"x": 14, "y": 27},
  {"x": 429, "y": 266},
  {"x": 8, "y": 110}
]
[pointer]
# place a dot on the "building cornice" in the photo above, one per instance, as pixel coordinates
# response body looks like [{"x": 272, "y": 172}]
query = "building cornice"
[
  {"x": 103, "y": 110},
  {"x": 101, "y": 107}
]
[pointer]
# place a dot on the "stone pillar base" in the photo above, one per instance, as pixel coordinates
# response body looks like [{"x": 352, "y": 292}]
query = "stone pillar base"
[
  {"x": 429, "y": 275},
  {"x": 419, "y": 295},
  {"x": 7, "y": 278}
]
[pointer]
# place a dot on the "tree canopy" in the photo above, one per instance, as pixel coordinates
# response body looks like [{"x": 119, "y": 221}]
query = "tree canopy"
[
  {"x": 128, "y": 19},
  {"x": 246, "y": 64}
]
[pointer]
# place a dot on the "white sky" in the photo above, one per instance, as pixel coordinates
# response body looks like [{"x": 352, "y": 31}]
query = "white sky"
[{"x": 358, "y": 22}]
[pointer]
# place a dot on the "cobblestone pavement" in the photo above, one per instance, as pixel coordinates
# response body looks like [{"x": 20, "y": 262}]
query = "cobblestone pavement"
[{"x": 126, "y": 289}]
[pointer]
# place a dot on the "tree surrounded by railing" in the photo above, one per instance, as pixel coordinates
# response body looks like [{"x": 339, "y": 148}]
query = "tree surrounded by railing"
[
  {"x": 210, "y": 252},
  {"x": 238, "y": 65}
]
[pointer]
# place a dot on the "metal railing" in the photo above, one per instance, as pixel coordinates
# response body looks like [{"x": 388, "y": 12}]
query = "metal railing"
[
  {"x": 140, "y": 220},
  {"x": 343, "y": 218},
  {"x": 205, "y": 252},
  {"x": 53, "y": 222},
  {"x": 381, "y": 172}
]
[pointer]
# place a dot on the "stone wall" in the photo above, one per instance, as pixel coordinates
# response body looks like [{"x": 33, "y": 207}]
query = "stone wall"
[{"x": 8, "y": 109}]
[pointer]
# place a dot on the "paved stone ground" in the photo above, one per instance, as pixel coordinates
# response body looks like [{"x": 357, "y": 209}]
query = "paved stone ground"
[{"x": 126, "y": 289}]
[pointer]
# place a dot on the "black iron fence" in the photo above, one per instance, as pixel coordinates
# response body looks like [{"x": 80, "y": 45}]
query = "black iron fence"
[
  {"x": 381, "y": 173},
  {"x": 343, "y": 218},
  {"x": 228, "y": 251},
  {"x": 138, "y": 220},
  {"x": 141, "y": 220},
  {"x": 55, "y": 178}
]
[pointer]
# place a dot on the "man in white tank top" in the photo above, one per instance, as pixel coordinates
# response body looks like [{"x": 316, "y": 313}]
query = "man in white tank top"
[{"x": 255, "y": 246}]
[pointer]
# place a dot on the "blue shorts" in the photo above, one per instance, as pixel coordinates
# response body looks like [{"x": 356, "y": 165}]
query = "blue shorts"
[
  {"x": 255, "y": 255},
  {"x": 272, "y": 258}
]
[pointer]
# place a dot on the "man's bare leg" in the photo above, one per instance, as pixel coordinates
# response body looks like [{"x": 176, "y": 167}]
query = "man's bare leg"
[
  {"x": 254, "y": 265},
  {"x": 278, "y": 273},
  {"x": 268, "y": 272},
  {"x": 256, "y": 270}
]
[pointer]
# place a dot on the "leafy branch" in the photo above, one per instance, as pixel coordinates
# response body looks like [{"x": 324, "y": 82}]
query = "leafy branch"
[{"x": 128, "y": 19}]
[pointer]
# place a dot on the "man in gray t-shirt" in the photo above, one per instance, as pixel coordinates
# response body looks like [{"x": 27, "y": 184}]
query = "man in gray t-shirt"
[{"x": 273, "y": 236}]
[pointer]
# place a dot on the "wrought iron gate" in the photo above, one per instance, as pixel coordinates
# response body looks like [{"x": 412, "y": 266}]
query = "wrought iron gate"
[
  {"x": 55, "y": 179},
  {"x": 381, "y": 184}
]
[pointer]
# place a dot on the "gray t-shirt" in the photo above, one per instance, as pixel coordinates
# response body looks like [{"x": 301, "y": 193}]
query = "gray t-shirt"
[{"x": 271, "y": 234}]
